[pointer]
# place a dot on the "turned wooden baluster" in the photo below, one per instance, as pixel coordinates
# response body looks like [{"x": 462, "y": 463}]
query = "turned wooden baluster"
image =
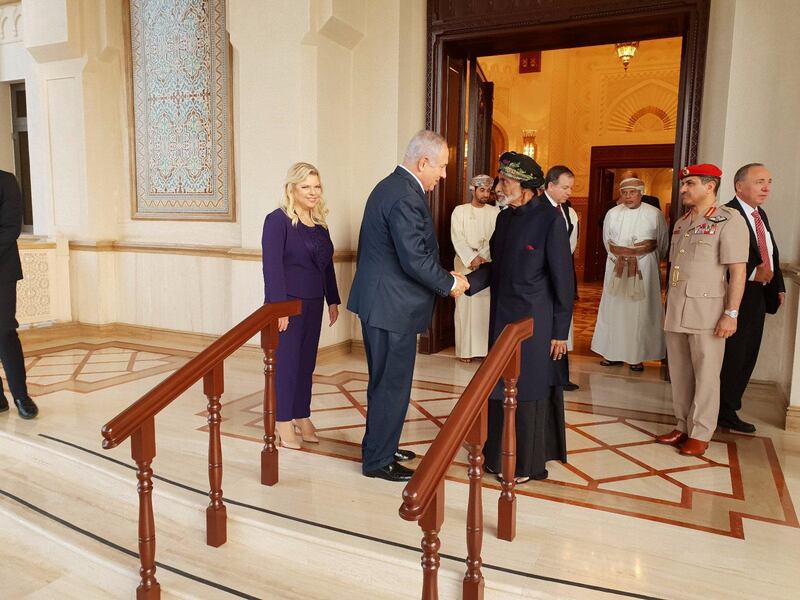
[
  {"x": 476, "y": 438},
  {"x": 431, "y": 523},
  {"x": 507, "y": 503},
  {"x": 143, "y": 450},
  {"x": 216, "y": 513},
  {"x": 269, "y": 454}
]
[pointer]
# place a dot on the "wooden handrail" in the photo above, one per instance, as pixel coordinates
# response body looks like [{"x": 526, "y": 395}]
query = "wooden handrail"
[
  {"x": 419, "y": 492},
  {"x": 138, "y": 422},
  {"x": 467, "y": 425},
  {"x": 120, "y": 428}
]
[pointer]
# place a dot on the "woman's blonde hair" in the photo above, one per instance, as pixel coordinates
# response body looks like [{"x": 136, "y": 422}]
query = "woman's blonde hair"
[{"x": 296, "y": 174}]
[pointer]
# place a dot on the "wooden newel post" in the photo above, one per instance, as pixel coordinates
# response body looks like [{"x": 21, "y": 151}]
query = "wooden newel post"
[
  {"x": 216, "y": 513},
  {"x": 431, "y": 523},
  {"x": 143, "y": 450},
  {"x": 472, "y": 588},
  {"x": 507, "y": 503},
  {"x": 269, "y": 454}
]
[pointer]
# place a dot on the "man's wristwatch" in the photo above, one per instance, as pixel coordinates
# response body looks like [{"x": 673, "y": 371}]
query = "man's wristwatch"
[{"x": 733, "y": 313}]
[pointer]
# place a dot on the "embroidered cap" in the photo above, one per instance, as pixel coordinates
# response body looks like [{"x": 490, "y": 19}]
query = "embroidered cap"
[{"x": 701, "y": 170}]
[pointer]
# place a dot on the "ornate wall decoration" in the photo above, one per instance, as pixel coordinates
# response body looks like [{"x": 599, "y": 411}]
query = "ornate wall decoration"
[
  {"x": 649, "y": 105},
  {"x": 33, "y": 292},
  {"x": 10, "y": 23},
  {"x": 181, "y": 104}
]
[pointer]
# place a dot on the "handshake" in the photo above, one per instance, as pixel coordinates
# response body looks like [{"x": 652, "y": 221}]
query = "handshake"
[{"x": 462, "y": 285}]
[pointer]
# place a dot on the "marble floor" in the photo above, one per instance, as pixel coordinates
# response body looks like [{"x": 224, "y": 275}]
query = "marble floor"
[{"x": 624, "y": 518}]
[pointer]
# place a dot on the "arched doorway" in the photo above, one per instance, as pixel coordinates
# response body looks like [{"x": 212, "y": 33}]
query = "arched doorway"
[{"x": 460, "y": 32}]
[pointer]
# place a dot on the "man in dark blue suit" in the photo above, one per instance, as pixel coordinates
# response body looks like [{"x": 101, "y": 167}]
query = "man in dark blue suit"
[
  {"x": 10, "y": 273},
  {"x": 397, "y": 278}
]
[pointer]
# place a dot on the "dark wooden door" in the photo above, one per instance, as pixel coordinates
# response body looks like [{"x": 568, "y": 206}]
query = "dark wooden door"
[
  {"x": 447, "y": 195},
  {"x": 466, "y": 106},
  {"x": 596, "y": 255},
  {"x": 604, "y": 161},
  {"x": 479, "y": 124}
]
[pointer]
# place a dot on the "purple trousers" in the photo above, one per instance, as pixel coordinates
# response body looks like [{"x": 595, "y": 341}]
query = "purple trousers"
[{"x": 295, "y": 360}]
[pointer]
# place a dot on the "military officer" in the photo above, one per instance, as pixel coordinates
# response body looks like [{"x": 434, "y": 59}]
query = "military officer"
[{"x": 708, "y": 243}]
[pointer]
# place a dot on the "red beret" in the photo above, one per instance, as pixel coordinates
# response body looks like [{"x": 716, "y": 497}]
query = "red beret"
[{"x": 703, "y": 170}]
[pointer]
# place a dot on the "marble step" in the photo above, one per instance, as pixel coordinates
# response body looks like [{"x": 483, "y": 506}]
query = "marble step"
[
  {"x": 265, "y": 556},
  {"x": 41, "y": 561}
]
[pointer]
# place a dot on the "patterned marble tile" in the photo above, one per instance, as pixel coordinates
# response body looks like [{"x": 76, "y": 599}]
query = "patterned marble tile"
[
  {"x": 614, "y": 463},
  {"x": 714, "y": 479},
  {"x": 87, "y": 367}
]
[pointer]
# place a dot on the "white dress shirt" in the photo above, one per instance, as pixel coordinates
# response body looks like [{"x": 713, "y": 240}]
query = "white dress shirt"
[
  {"x": 748, "y": 212},
  {"x": 557, "y": 205}
]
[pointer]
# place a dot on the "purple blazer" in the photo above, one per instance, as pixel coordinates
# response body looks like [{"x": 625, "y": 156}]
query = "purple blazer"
[{"x": 297, "y": 261}]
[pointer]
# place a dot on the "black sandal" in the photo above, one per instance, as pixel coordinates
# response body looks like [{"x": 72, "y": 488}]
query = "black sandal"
[
  {"x": 638, "y": 367},
  {"x": 610, "y": 363}
]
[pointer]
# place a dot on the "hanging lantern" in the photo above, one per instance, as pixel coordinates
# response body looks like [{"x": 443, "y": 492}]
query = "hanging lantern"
[
  {"x": 625, "y": 51},
  {"x": 529, "y": 142}
]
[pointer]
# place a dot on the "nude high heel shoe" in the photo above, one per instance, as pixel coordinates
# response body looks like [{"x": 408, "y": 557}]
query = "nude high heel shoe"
[
  {"x": 288, "y": 439},
  {"x": 307, "y": 430}
]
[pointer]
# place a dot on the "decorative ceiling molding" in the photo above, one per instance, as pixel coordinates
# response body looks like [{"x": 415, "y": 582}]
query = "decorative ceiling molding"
[{"x": 10, "y": 23}]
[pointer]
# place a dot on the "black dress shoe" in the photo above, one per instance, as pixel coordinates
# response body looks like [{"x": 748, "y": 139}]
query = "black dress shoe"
[
  {"x": 26, "y": 407},
  {"x": 571, "y": 387},
  {"x": 3, "y": 403},
  {"x": 404, "y": 455},
  {"x": 391, "y": 472},
  {"x": 736, "y": 424}
]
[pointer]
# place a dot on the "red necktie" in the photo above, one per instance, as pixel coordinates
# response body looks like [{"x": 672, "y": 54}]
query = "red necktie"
[{"x": 761, "y": 236}]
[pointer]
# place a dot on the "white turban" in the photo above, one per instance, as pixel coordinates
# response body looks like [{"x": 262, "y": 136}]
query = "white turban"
[
  {"x": 632, "y": 183},
  {"x": 480, "y": 181}
]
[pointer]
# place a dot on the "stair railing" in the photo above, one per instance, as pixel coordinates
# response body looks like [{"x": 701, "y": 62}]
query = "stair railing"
[
  {"x": 138, "y": 423},
  {"x": 423, "y": 496}
]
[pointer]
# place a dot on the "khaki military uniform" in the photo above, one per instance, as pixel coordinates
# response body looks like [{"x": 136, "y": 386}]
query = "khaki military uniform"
[{"x": 702, "y": 247}]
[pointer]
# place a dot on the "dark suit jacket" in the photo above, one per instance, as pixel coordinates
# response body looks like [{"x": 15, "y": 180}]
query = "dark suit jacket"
[
  {"x": 776, "y": 286},
  {"x": 530, "y": 275},
  {"x": 398, "y": 271},
  {"x": 289, "y": 262},
  {"x": 10, "y": 228}
]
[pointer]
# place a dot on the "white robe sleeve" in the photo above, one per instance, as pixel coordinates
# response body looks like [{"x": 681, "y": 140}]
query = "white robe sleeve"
[
  {"x": 607, "y": 229},
  {"x": 573, "y": 237},
  {"x": 459, "y": 237},
  {"x": 484, "y": 251},
  {"x": 662, "y": 236}
]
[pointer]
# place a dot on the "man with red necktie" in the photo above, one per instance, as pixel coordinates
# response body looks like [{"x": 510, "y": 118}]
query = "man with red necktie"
[{"x": 764, "y": 293}]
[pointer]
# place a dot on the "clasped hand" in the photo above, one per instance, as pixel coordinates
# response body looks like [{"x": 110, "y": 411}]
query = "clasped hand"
[
  {"x": 477, "y": 262},
  {"x": 462, "y": 285}
]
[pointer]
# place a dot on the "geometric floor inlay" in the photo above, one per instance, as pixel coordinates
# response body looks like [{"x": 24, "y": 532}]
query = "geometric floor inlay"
[
  {"x": 85, "y": 367},
  {"x": 613, "y": 462}
]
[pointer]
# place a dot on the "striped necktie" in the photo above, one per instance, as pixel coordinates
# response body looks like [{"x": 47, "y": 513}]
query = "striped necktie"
[{"x": 761, "y": 236}]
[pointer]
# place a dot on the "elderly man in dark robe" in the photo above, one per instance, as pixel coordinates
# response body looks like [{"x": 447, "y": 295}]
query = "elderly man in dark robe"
[{"x": 530, "y": 276}]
